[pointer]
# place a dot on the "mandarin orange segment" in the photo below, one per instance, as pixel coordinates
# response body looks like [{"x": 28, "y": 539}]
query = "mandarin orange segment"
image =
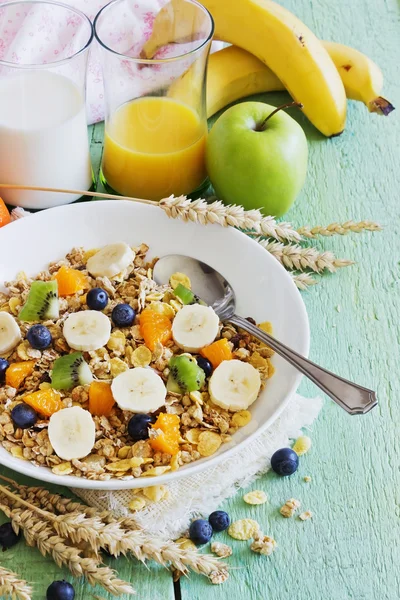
[
  {"x": 5, "y": 217},
  {"x": 155, "y": 328},
  {"x": 45, "y": 402},
  {"x": 18, "y": 371},
  {"x": 70, "y": 281},
  {"x": 101, "y": 400},
  {"x": 217, "y": 352},
  {"x": 168, "y": 441}
]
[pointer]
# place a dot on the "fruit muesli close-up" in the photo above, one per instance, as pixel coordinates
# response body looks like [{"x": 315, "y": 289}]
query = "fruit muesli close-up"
[{"x": 106, "y": 374}]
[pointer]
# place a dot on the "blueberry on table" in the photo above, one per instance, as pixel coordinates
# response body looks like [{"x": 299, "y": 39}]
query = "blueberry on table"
[
  {"x": 24, "y": 416},
  {"x": 8, "y": 537},
  {"x": 60, "y": 590},
  {"x": 285, "y": 462},
  {"x": 123, "y": 315},
  {"x": 4, "y": 364},
  {"x": 200, "y": 532},
  {"x": 205, "y": 365},
  {"x": 138, "y": 427},
  {"x": 39, "y": 337},
  {"x": 219, "y": 520},
  {"x": 97, "y": 299}
]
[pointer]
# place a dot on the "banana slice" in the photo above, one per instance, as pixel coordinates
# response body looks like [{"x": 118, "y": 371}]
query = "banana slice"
[
  {"x": 87, "y": 330},
  {"x": 234, "y": 385},
  {"x": 72, "y": 432},
  {"x": 194, "y": 327},
  {"x": 10, "y": 333},
  {"x": 139, "y": 390},
  {"x": 110, "y": 260}
]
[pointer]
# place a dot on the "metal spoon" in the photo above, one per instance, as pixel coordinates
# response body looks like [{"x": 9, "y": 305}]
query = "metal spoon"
[{"x": 213, "y": 288}]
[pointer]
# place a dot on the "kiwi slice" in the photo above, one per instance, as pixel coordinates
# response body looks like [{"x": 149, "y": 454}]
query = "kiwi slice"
[
  {"x": 185, "y": 374},
  {"x": 42, "y": 302},
  {"x": 172, "y": 386},
  {"x": 186, "y": 295},
  {"x": 70, "y": 370}
]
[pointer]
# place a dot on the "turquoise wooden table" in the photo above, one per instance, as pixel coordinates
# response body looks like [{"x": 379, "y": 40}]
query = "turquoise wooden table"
[{"x": 350, "y": 549}]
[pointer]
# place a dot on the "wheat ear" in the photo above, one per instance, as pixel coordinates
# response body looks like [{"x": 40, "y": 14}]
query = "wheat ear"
[
  {"x": 43, "y": 498},
  {"x": 117, "y": 540},
  {"x": 339, "y": 229},
  {"x": 294, "y": 257},
  {"x": 12, "y": 586},
  {"x": 200, "y": 211},
  {"x": 40, "y": 534},
  {"x": 303, "y": 280}
]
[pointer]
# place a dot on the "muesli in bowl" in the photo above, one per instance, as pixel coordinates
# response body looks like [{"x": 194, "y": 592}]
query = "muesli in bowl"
[{"x": 105, "y": 374}]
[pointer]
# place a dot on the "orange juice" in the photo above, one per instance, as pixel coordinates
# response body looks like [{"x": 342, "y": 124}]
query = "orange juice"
[{"x": 154, "y": 147}]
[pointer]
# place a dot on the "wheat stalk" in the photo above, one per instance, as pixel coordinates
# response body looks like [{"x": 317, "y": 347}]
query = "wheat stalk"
[
  {"x": 40, "y": 534},
  {"x": 50, "y": 502},
  {"x": 118, "y": 536},
  {"x": 338, "y": 229},
  {"x": 294, "y": 257},
  {"x": 303, "y": 280},
  {"x": 12, "y": 586},
  {"x": 200, "y": 211}
]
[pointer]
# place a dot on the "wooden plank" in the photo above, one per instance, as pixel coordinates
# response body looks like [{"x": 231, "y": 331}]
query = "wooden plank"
[{"x": 350, "y": 548}]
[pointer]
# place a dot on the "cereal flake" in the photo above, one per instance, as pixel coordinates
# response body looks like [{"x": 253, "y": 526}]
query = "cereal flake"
[
  {"x": 244, "y": 529},
  {"x": 302, "y": 445},
  {"x": 255, "y": 497}
]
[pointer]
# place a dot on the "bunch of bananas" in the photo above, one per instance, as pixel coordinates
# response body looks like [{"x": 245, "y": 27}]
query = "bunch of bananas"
[{"x": 273, "y": 50}]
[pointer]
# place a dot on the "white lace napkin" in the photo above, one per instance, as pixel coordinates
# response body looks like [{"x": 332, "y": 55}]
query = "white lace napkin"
[{"x": 202, "y": 493}]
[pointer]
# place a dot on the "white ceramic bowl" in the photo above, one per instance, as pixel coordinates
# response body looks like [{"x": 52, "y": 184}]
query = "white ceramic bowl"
[{"x": 264, "y": 291}]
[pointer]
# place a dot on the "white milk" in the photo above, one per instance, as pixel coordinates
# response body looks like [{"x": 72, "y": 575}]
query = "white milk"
[{"x": 43, "y": 138}]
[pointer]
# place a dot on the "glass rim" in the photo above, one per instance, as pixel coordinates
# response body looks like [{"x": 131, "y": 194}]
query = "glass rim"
[
  {"x": 154, "y": 61},
  {"x": 54, "y": 63}
]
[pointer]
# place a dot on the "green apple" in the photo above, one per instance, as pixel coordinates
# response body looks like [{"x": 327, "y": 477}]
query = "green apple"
[{"x": 256, "y": 161}]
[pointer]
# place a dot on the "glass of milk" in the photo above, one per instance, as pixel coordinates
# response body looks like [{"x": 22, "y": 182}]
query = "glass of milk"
[{"x": 43, "y": 131}]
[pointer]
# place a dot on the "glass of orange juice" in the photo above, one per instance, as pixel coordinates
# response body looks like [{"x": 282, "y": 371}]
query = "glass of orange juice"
[{"x": 154, "y": 61}]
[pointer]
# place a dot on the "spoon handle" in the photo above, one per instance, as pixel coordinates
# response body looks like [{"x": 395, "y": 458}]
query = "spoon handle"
[{"x": 353, "y": 398}]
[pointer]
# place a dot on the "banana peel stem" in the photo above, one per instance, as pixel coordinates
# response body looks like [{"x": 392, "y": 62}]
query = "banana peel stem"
[{"x": 381, "y": 106}]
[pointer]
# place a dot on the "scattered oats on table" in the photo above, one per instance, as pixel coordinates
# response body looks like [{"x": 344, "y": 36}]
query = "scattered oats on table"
[
  {"x": 306, "y": 515},
  {"x": 289, "y": 508},
  {"x": 221, "y": 550},
  {"x": 218, "y": 577},
  {"x": 263, "y": 544},
  {"x": 307, "y": 479}
]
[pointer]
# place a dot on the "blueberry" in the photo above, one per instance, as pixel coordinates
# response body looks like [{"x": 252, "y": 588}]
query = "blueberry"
[
  {"x": 219, "y": 520},
  {"x": 60, "y": 590},
  {"x": 23, "y": 416},
  {"x": 4, "y": 364},
  {"x": 138, "y": 427},
  {"x": 8, "y": 537},
  {"x": 39, "y": 337},
  {"x": 123, "y": 315},
  {"x": 200, "y": 532},
  {"x": 97, "y": 299},
  {"x": 205, "y": 365},
  {"x": 285, "y": 461}
]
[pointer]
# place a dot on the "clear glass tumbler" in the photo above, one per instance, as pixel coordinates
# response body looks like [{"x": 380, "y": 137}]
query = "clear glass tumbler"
[
  {"x": 154, "y": 59},
  {"x": 43, "y": 131}
]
